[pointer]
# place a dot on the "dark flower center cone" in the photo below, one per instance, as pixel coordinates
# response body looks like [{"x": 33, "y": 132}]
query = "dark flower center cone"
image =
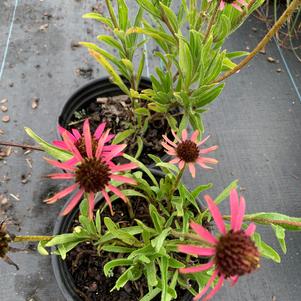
[
  {"x": 236, "y": 254},
  {"x": 188, "y": 151},
  {"x": 92, "y": 175}
]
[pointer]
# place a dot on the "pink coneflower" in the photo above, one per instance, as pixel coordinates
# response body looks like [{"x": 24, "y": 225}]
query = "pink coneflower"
[
  {"x": 235, "y": 3},
  {"x": 233, "y": 254},
  {"x": 92, "y": 173},
  {"x": 79, "y": 141},
  {"x": 188, "y": 151}
]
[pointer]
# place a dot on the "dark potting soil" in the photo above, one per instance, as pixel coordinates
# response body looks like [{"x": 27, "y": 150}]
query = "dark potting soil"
[
  {"x": 117, "y": 112},
  {"x": 85, "y": 264}
]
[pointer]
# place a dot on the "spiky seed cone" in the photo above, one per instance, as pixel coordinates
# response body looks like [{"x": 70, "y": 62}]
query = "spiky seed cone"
[
  {"x": 5, "y": 239},
  {"x": 187, "y": 151},
  {"x": 236, "y": 254},
  {"x": 92, "y": 175}
]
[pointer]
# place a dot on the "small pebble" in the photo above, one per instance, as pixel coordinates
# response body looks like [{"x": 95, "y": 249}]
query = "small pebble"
[
  {"x": 4, "y": 100},
  {"x": 3, "y": 108},
  {"x": 35, "y": 103},
  {"x": 279, "y": 70},
  {"x": 6, "y": 118},
  {"x": 270, "y": 59}
]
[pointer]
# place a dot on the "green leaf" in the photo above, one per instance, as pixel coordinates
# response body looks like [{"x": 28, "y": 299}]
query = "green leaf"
[
  {"x": 158, "y": 242},
  {"x": 164, "y": 277},
  {"x": 140, "y": 147},
  {"x": 108, "y": 267},
  {"x": 268, "y": 252},
  {"x": 115, "y": 77},
  {"x": 280, "y": 234},
  {"x": 208, "y": 96},
  {"x": 151, "y": 294},
  {"x": 99, "y": 18},
  {"x": 195, "y": 193},
  {"x": 169, "y": 166},
  {"x": 151, "y": 274},
  {"x": 53, "y": 151},
  {"x": 170, "y": 15},
  {"x": 121, "y": 136},
  {"x": 226, "y": 192},
  {"x": 117, "y": 249},
  {"x": 158, "y": 220},
  {"x": 143, "y": 168},
  {"x": 267, "y": 218},
  {"x": 98, "y": 222},
  {"x": 41, "y": 248},
  {"x": 236, "y": 54},
  {"x": 148, "y": 6},
  {"x": 111, "y": 42},
  {"x": 122, "y": 14}
]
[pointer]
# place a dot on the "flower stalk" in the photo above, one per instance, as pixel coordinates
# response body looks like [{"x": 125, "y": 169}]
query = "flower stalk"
[
  {"x": 287, "y": 13},
  {"x": 32, "y": 238}
]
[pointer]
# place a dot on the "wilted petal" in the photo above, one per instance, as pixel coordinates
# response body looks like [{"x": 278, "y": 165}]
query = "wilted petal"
[
  {"x": 61, "y": 165},
  {"x": 204, "y": 140},
  {"x": 124, "y": 167},
  {"x": 181, "y": 164},
  {"x": 91, "y": 199},
  {"x": 108, "y": 201},
  {"x": 118, "y": 192},
  {"x": 236, "y": 6},
  {"x": 215, "y": 289},
  {"x": 61, "y": 176},
  {"x": 208, "y": 150},
  {"x": 175, "y": 135},
  {"x": 169, "y": 141},
  {"x": 191, "y": 169}
]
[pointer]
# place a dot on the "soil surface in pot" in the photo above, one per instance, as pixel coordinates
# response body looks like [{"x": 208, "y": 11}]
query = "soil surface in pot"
[
  {"x": 86, "y": 266},
  {"x": 117, "y": 112}
]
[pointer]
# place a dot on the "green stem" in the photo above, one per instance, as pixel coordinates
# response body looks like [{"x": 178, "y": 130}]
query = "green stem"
[
  {"x": 111, "y": 12},
  {"x": 212, "y": 20},
  {"x": 267, "y": 221},
  {"x": 34, "y": 238},
  {"x": 190, "y": 236},
  {"x": 130, "y": 209}
]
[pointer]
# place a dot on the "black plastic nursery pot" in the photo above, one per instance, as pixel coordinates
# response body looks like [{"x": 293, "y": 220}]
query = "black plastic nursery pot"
[
  {"x": 87, "y": 96},
  {"x": 62, "y": 272}
]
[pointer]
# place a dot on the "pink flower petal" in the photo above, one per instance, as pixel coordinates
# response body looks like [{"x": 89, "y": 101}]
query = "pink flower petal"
[
  {"x": 240, "y": 214},
  {"x": 184, "y": 135},
  {"x": 64, "y": 166},
  {"x": 203, "y": 233},
  {"x": 236, "y": 6},
  {"x": 118, "y": 192},
  {"x": 194, "y": 136},
  {"x": 115, "y": 152},
  {"x": 76, "y": 134},
  {"x": 60, "y": 144},
  {"x": 209, "y": 160},
  {"x": 91, "y": 199},
  {"x": 200, "y": 161},
  {"x": 99, "y": 131},
  {"x": 197, "y": 268},
  {"x": 62, "y": 130},
  {"x": 169, "y": 141},
  {"x": 216, "y": 214},
  {"x": 101, "y": 143},
  {"x": 168, "y": 147},
  {"x": 124, "y": 167},
  {"x": 171, "y": 152},
  {"x": 61, "y": 194},
  {"x": 73, "y": 202},
  {"x": 234, "y": 280},
  {"x": 195, "y": 250},
  {"x": 234, "y": 205},
  {"x": 215, "y": 289},
  {"x": 175, "y": 135},
  {"x": 205, "y": 289},
  {"x": 191, "y": 169},
  {"x": 108, "y": 201},
  {"x": 61, "y": 176},
  {"x": 72, "y": 147},
  {"x": 72, "y": 162},
  {"x": 243, "y": 2},
  {"x": 181, "y": 164},
  {"x": 110, "y": 137},
  {"x": 208, "y": 150},
  {"x": 222, "y": 5},
  {"x": 251, "y": 229},
  {"x": 174, "y": 161},
  {"x": 123, "y": 179},
  {"x": 204, "y": 140},
  {"x": 88, "y": 138}
]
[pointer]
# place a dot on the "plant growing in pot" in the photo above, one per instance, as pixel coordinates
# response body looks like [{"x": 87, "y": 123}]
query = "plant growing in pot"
[{"x": 148, "y": 237}]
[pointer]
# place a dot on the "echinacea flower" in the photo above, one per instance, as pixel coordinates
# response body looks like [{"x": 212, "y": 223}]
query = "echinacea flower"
[
  {"x": 79, "y": 141},
  {"x": 91, "y": 173},
  {"x": 233, "y": 253},
  {"x": 188, "y": 151},
  {"x": 235, "y": 3}
]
